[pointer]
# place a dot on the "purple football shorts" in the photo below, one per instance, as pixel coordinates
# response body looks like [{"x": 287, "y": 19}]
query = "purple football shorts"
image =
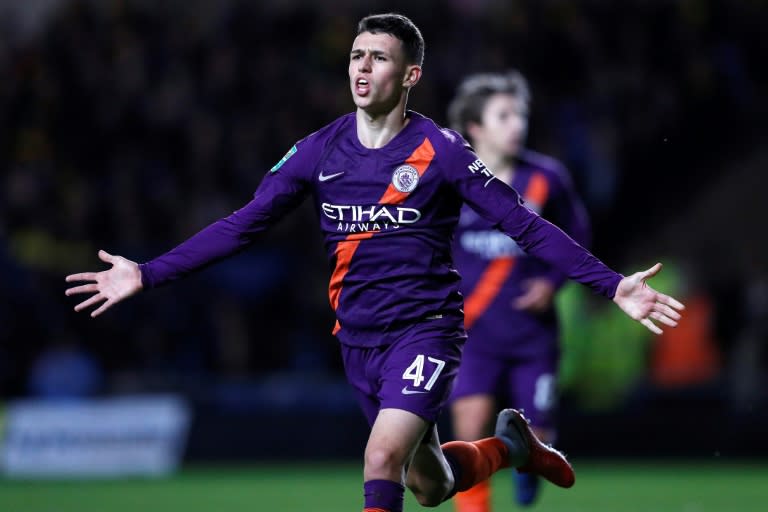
[
  {"x": 415, "y": 372},
  {"x": 527, "y": 383}
]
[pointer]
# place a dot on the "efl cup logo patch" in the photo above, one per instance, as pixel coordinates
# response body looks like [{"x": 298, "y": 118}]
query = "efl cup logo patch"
[{"x": 405, "y": 178}]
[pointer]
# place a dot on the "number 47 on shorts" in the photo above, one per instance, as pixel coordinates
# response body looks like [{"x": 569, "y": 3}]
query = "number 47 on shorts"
[{"x": 415, "y": 373}]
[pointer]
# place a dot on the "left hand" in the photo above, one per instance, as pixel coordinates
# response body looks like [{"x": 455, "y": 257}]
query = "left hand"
[
  {"x": 644, "y": 304},
  {"x": 538, "y": 295}
]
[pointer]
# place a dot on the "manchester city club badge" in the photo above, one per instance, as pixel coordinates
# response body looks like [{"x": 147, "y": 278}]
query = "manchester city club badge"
[{"x": 405, "y": 178}]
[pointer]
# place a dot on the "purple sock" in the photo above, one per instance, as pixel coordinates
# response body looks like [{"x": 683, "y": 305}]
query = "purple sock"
[{"x": 384, "y": 494}]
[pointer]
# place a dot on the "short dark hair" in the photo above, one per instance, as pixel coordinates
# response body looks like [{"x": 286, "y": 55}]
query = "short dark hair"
[
  {"x": 473, "y": 93},
  {"x": 400, "y": 27}
]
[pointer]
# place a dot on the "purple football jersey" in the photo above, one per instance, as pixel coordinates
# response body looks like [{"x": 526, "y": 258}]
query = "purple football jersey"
[
  {"x": 388, "y": 216},
  {"x": 494, "y": 268}
]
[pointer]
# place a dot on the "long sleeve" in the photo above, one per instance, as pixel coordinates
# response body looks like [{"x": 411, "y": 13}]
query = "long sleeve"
[
  {"x": 501, "y": 205},
  {"x": 549, "y": 243},
  {"x": 568, "y": 212},
  {"x": 282, "y": 189}
]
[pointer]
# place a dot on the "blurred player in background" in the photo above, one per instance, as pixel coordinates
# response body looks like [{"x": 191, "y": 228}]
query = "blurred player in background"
[
  {"x": 512, "y": 353},
  {"x": 388, "y": 185}
]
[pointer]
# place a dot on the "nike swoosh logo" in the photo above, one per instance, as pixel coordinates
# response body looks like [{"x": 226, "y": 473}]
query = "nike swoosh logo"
[
  {"x": 326, "y": 177},
  {"x": 407, "y": 391}
]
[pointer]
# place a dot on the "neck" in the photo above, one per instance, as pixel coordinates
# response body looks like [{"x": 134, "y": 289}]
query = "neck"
[
  {"x": 375, "y": 130},
  {"x": 502, "y": 166}
]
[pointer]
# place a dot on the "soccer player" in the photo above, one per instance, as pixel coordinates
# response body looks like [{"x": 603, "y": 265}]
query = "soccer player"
[
  {"x": 388, "y": 185},
  {"x": 511, "y": 355}
]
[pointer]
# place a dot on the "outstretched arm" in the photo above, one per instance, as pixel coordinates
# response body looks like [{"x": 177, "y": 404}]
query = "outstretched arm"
[
  {"x": 108, "y": 286},
  {"x": 282, "y": 189},
  {"x": 644, "y": 304},
  {"x": 500, "y": 204}
]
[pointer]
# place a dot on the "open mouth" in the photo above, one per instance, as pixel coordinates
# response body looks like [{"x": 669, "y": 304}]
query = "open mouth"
[{"x": 362, "y": 87}]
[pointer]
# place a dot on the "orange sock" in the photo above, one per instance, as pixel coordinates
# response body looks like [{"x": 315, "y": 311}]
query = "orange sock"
[
  {"x": 477, "y": 460},
  {"x": 475, "y": 499}
]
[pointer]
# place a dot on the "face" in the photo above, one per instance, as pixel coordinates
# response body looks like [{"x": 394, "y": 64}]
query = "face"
[
  {"x": 503, "y": 126},
  {"x": 378, "y": 73}
]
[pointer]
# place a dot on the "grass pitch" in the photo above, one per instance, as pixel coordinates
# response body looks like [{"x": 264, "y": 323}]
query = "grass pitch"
[{"x": 666, "y": 486}]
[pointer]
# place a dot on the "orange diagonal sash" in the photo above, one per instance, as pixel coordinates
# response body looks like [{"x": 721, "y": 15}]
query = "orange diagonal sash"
[
  {"x": 420, "y": 159},
  {"x": 498, "y": 270}
]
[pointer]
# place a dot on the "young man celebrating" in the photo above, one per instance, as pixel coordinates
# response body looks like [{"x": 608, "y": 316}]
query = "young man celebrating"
[
  {"x": 388, "y": 185},
  {"x": 512, "y": 353}
]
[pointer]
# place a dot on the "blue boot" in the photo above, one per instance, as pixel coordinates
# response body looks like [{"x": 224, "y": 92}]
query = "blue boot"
[{"x": 526, "y": 488}]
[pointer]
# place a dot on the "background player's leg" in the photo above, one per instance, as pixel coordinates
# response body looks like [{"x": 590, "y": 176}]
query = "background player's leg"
[
  {"x": 532, "y": 384},
  {"x": 473, "y": 417}
]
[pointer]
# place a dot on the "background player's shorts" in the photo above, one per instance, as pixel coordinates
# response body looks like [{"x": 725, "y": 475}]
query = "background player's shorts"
[
  {"x": 528, "y": 383},
  {"x": 414, "y": 373}
]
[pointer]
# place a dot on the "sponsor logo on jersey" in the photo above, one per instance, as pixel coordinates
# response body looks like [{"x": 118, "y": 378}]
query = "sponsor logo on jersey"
[
  {"x": 357, "y": 213},
  {"x": 405, "y": 178},
  {"x": 407, "y": 391},
  {"x": 326, "y": 177},
  {"x": 288, "y": 155},
  {"x": 360, "y": 219},
  {"x": 489, "y": 244}
]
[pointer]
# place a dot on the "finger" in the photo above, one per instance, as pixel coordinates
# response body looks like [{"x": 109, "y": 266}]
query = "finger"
[
  {"x": 651, "y": 326},
  {"x": 105, "y": 256},
  {"x": 520, "y": 302},
  {"x": 102, "y": 309},
  {"x": 651, "y": 272},
  {"x": 83, "y": 276},
  {"x": 89, "y": 302},
  {"x": 670, "y": 301},
  {"x": 524, "y": 302},
  {"x": 663, "y": 319},
  {"x": 666, "y": 310},
  {"x": 86, "y": 288}
]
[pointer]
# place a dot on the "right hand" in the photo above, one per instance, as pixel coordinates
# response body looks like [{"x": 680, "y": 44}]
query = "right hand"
[
  {"x": 110, "y": 286},
  {"x": 537, "y": 297}
]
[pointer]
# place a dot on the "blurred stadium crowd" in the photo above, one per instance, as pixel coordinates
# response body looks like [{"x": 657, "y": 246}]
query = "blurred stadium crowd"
[{"x": 128, "y": 125}]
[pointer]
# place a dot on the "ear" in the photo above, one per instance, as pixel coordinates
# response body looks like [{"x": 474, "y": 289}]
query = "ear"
[
  {"x": 473, "y": 130},
  {"x": 412, "y": 76}
]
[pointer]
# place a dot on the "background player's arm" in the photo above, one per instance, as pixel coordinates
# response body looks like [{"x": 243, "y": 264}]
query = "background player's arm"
[
  {"x": 539, "y": 291},
  {"x": 565, "y": 210},
  {"x": 568, "y": 212}
]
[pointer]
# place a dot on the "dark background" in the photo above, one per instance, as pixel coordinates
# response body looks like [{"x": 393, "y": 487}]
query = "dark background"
[{"x": 129, "y": 125}]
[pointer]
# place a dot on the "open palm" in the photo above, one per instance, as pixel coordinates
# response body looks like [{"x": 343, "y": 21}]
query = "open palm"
[
  {"x": 646, "y": 305},
  {"x": 109, "y": 286}
]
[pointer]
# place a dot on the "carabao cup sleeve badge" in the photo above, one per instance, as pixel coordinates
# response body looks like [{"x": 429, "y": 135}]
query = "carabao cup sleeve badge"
[
  {"x": 285, "y": 158},
  {"x": 405, "y": 178}
]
